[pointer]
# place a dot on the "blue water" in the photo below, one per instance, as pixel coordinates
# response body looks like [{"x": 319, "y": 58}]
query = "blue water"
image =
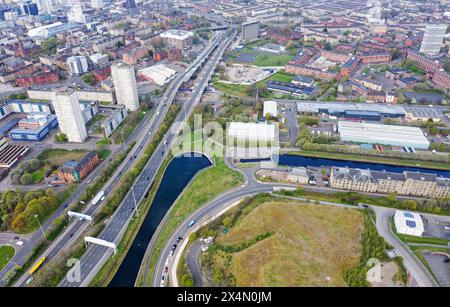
[
  {"x": 177, "y": 175},
  {"x": 293, "y": 160}
]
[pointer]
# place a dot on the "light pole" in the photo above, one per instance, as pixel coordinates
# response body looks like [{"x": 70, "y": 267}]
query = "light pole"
[
  {"x": 123, "y": 141},
  {"x": 134, "y": 198},
  {"x": 40, "y": 226}
]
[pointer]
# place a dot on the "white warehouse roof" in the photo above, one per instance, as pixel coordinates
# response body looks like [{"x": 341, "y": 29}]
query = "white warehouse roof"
[
  {"x": 177, "y": 34},
  {"x": 252, "y": 131},
  {"x": 160, "y": 74},
  {"x": 382, "y": 134},
  {"x": 408, "y": 223},
  {"x": 271, "y": 108}
]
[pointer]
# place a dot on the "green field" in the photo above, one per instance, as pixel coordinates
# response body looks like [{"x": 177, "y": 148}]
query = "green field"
[
  {"x": 6, "y": 254},
  {"x": 207, "y": 185},
  {"x": 286, "y": 243},
  {"x": 266, "y": 60},
  {"x": 373, "y": 159}
]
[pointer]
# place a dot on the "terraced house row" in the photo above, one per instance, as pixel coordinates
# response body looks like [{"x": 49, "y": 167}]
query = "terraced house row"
[{"x": 406, "y": 183}]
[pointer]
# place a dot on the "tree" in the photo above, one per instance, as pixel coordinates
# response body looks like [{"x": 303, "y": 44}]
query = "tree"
[
  {"x": 227, "y": 222},
  {"x": 26, "y": 179},
  {"x": 61, "y": 138}
]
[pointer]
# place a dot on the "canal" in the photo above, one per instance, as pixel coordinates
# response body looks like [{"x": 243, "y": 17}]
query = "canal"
[
  {"x": 176, "y": 177},
  {"x": 294, "y": 160}
]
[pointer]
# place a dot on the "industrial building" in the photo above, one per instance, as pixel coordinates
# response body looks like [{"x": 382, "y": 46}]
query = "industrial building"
[
  {"x": 340, "y": 109},
  {"x": 290, "y": 88},
  {"x": 34, "y": 128},
  {"x": 433, "y": 39},
  {"x": 408, "y": 223},
  {"x": 10, "y": 154},
  {"x": 159, "y": 74},
  {"x": 252, "y": 131},
  {"x": 382, "y": 134}
]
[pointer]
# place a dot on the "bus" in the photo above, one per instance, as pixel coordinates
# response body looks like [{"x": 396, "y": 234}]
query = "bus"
[
  {"x": 37, "y": 266},
  {"x": 97, "y": 197}
]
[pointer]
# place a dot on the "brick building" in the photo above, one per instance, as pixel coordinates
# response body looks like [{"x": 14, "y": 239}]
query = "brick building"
[
  {"x": 73, "y": 171},
  {"x": 301, "y": 70}
]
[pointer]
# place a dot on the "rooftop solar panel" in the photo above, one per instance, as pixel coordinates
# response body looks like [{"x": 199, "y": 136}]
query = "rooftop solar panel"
[
  {"x": 407, "y": 214},
  {"x": 411, "y": 224}
]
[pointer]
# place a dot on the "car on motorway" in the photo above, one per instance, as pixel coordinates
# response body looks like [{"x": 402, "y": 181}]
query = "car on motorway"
[
  {"x": 166, "y": 269},
  {"x": 16, "y": 238},
  {"x": 174, "y": 247},
  {"x": 179, "y": 239},
  {"x": 191, "y": 223}
]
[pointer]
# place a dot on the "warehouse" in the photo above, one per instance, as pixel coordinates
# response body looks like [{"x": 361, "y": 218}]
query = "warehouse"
[
  {"x": 158, "y": 74},
  {"x": 341, "y": 109},
  {"x": 408, "y": 223},
  {"x": 382, "y": 134},
  {"x": 252, "y": 131},
  {"x": 35, "y": 127}
]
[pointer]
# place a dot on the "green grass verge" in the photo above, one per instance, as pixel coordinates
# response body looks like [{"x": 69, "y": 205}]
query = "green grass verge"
[
  {"x": 6, "y": 254},
  {"x": 422, "y": 240},
  {"x": 206, "y": 186},
  {"x": 373, "y": 159}
]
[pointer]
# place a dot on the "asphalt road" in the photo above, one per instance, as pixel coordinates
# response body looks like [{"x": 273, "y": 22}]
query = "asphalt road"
[
  {"x": 211, "y": 210},
  {"x": 193, "y": 263},
  {"x": 95, "y": 255}
]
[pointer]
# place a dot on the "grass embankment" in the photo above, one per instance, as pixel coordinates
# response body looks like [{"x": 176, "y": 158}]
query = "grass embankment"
[
  {"x": 6, "y": 254},
  {"x": 372, "y": 159},
  {"x": 274, "y": 242},
  {"x": 207, "y": 185},
  {"x": 126, "y": 128}
]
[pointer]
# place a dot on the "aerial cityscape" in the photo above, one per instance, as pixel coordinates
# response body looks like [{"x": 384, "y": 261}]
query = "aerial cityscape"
[{"x": 228, "y": 143}]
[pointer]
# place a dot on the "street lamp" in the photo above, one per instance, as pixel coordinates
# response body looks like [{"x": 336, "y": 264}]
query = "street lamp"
[
  {"x": 40, "y": 226},
  {"x": 123, "y": 141},
  {"x": 134, "y": 198}
]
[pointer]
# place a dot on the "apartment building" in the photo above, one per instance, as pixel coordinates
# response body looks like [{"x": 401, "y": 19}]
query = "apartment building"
[
  {"x": 406, "y": 183},
  {"x": 442, "y": 78},
  {"x": 301, "y": 70},
  {"x": 376, "y": 58},
  {"x": 125, "y": 87},
  {"x": 424, "y": 63},
  {"x": 70, "y": 117}
]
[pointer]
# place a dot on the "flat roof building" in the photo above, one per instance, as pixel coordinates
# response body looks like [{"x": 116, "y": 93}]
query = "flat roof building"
[
  {"x": 270, "y": 107},
  {"x": 252, "y": 131},
  {"x": 433, "y": 39},
  {"x": 382, "y": 134},
  {"x": 159, "y": 74},
  {"x": 408, "y": 223}
]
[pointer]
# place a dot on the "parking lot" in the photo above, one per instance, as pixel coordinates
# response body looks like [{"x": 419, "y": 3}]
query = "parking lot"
[
  {"x": 440, "y": 269},
  {"x": 435, "y": 228}
]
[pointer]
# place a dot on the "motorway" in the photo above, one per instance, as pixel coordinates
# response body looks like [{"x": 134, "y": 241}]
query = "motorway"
[
  {"x": 225, "y": 201},
  {"x": 145, "y": 135},
  {"x": 96, "y": 255}
]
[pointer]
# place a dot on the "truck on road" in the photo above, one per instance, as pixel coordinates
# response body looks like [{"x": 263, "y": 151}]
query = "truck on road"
[{"x": 98, "y": 197}]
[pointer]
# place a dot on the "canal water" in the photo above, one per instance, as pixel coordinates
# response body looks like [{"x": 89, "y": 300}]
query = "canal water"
[
  {"x": 177, "y": 175},
  {"x": 294, "y": 160}
]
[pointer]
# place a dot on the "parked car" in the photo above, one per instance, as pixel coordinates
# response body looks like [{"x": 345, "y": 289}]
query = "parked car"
[{"x": 191, "y": 223}]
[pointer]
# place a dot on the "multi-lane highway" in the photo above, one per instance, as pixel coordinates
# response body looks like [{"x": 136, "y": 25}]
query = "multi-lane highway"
[
  {"x": 143, "y": 136},
  {"x": 96, "y": 255}
]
